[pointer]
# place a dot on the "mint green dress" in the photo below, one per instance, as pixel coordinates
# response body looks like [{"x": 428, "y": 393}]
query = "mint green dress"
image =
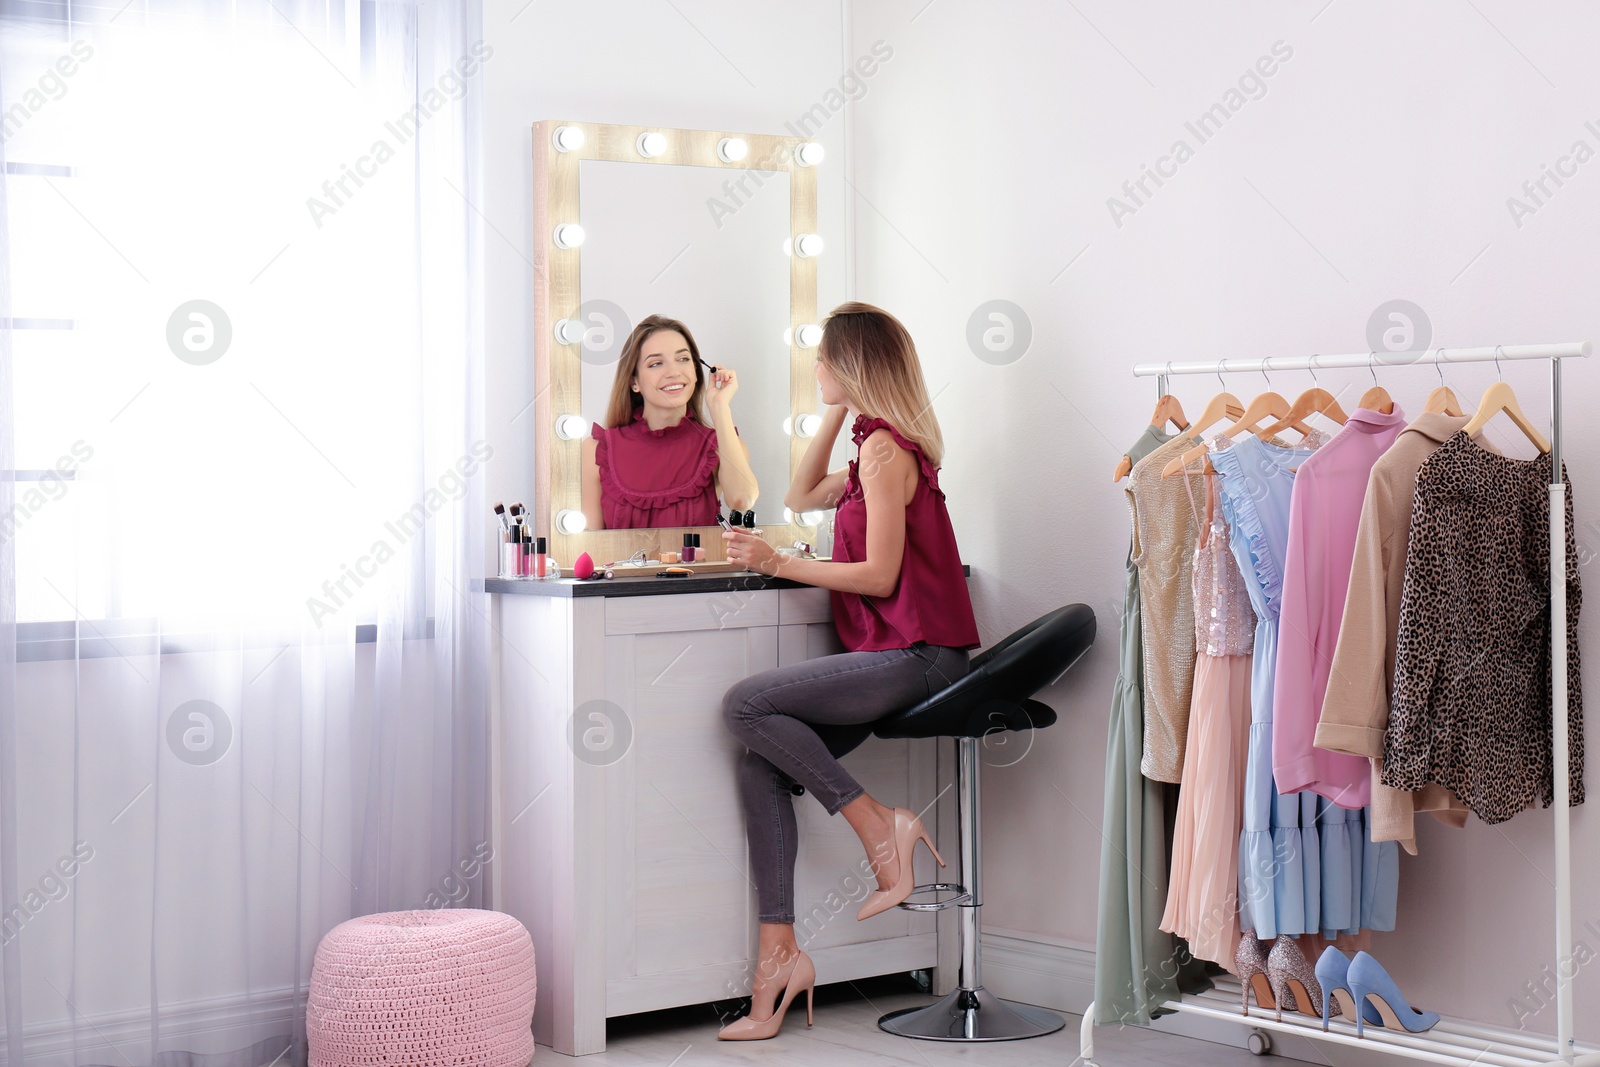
[{"x": 1137, "y": 966}]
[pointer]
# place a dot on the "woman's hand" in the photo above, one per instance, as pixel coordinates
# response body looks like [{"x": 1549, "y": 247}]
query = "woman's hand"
[
  {"x": 721, "y": 386},
  {"x": 752, "y": 552}
]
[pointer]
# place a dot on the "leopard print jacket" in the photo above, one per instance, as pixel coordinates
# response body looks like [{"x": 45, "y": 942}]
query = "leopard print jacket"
[{"x": 1471, "y": 699}]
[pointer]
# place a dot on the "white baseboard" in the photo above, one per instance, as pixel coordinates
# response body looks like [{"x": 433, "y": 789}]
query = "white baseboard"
[
  {"x": 1059, "y": 975},
  {"x": 1034, "y": 970},
  {"x": 213, "y": 1025}
]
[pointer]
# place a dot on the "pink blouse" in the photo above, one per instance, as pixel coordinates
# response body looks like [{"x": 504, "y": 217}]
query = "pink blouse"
[
  {"x": 655, "y": 478},
  {"x": 930, "y": 603},
  {"x": 1323, "y": 516}
]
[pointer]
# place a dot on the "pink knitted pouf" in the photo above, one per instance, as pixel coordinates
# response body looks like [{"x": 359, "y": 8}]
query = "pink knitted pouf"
[{"x": 452, "y": 986}]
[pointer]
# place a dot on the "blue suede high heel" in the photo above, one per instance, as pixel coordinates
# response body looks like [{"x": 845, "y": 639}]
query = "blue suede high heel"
[
  {"x": 1369, "y": 982},
  {"x": 1333, "y": 975}
]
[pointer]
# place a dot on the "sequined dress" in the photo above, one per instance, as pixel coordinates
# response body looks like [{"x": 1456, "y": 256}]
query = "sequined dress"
[{"x": 1202, "y": 896}]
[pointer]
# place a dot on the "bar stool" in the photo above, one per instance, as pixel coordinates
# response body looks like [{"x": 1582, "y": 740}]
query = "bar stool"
[{"x": 993, "y": 697}]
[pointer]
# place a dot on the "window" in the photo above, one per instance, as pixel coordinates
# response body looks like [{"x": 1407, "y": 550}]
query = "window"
[{"x": 215, "y": 313}]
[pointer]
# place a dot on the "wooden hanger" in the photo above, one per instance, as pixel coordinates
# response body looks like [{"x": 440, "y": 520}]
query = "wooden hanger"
[
  {"x": 1313, "y": 400},
  {"x": 1267, "y": 404},
  {"x": 1497, "y": 398},
  {"x": 1377, "y": 398},
  {"x": 1167, "y": 410},
  {"x": 1442, "y": 401},
  {"x": 1222, "y": 406}
]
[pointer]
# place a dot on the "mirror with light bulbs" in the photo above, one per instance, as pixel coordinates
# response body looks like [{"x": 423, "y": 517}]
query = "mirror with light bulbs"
[{"x": 714, "y": 229}]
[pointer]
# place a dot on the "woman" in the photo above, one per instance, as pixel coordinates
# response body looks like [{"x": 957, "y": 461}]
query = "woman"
[
  {"x": 901, "y": 607},
  {"x": 659, "y": 460}
]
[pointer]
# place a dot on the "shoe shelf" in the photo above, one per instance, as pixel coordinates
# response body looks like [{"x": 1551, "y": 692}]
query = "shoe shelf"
[{"x": 1452, "y": 1041}]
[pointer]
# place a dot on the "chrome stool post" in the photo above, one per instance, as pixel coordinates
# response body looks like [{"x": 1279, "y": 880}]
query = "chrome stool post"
[{"x": 970, "y": 1012}]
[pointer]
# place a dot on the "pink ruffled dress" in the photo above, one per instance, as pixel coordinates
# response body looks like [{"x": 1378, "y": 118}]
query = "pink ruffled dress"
[{"x": 656, "y": 478}]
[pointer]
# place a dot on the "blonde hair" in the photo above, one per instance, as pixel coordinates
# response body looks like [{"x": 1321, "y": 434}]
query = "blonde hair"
[
  {"x": 625, "y": 403},
  {"x": 872, "y": 357}
]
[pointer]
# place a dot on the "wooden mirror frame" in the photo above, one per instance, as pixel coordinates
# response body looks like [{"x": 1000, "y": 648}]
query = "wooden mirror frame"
[{"x": 558, "y": 479}]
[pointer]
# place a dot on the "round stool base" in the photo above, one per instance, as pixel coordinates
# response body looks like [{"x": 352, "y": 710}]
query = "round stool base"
[{"x": 972, "y": 1015}]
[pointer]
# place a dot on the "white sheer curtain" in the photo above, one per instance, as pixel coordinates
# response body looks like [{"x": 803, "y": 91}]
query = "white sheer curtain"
[{"x": 242, "y": 667}]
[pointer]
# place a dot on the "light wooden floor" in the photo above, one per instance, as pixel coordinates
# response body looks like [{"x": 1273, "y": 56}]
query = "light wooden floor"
[{"x": 847, "y": 1033}]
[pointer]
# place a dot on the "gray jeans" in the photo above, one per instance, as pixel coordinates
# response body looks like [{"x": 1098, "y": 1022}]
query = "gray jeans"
[{"x": 796, "y": 722}]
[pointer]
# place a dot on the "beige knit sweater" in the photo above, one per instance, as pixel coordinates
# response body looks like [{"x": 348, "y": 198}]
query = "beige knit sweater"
[{"x": 1355, "y": 711}]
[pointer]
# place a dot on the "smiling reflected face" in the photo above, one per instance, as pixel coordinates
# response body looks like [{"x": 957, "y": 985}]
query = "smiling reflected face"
[{"x": 665, "y": 376}]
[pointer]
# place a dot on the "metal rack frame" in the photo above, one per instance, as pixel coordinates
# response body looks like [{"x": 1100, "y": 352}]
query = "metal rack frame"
[{"x": 1453, "y": 1041}]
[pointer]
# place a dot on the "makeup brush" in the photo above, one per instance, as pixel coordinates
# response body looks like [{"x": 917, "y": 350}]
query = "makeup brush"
[{"x": 500, "y": 513}]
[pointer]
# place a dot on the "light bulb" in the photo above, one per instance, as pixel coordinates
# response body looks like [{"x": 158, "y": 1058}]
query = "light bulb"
[
  {"x": 567, "y": 138},
  {"x": 808, "y": 424},
  {"x": 571, "y": 521},
  {"x": 732, "y": 149},
  {"x": 788, "y": 336},
  {"x": 788, "y": 516},
  {"x": 808, "y": 154},
  {"x": 572, "y": 427},
  {"x": 809, "y": 335},
  {"x": 567, "y": 235},
  {"x": 568, "y": 331},
  {"x": 809, "y": 518},
  {"x": 651, "y": 144},
  {"x": 807, "y": 245},
  {"x": 788, "y": 431}
]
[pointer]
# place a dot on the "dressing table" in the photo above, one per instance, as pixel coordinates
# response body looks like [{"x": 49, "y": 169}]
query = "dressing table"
[{"x": 618, "y": 837}]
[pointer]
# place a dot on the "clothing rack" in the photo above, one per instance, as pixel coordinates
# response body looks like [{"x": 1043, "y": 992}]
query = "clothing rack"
[{"x": 1452, "y": 1041}]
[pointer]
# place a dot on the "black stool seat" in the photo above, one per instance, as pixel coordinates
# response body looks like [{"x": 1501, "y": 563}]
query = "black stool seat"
[{"x": 995, "y": 694}]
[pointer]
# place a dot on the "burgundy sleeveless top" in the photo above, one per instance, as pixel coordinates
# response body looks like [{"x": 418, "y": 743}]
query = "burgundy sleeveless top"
[
  {"x": 930, "y": 603},
  {"x": 655, "y": 478}
]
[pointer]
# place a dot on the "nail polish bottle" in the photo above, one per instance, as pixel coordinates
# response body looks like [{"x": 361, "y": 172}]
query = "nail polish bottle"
[
  {"x": 688, "y": 548},
  {"x": 540, "y": 558},
  {"x": 699, "y": 553}
]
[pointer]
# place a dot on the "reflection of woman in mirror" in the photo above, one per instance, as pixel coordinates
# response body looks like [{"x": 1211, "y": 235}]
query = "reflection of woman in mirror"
[
  {"x": 668, "y": 446},
  {"x": 901, "y": 608}
]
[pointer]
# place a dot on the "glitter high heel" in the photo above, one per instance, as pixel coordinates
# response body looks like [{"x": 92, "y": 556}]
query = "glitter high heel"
[
  {"x": 1294, "y": 981},
  {"x": 1251, "y": 962}
]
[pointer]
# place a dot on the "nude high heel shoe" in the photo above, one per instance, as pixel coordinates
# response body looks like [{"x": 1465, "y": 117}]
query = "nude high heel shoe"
[
  {"x": 802, "y": 979},
  {"x": 908, "y": 830}
]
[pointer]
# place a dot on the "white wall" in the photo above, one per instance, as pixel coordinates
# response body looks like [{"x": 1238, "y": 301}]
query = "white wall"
[
  {"x": 1376, "y": 166},
  {"x": 696, "y": 65}
]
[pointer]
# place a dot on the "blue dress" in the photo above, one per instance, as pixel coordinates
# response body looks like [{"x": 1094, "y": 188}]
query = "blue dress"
[
  {"x": 1306, "y": 865},
  {"x": 1280, "y": 853}
]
